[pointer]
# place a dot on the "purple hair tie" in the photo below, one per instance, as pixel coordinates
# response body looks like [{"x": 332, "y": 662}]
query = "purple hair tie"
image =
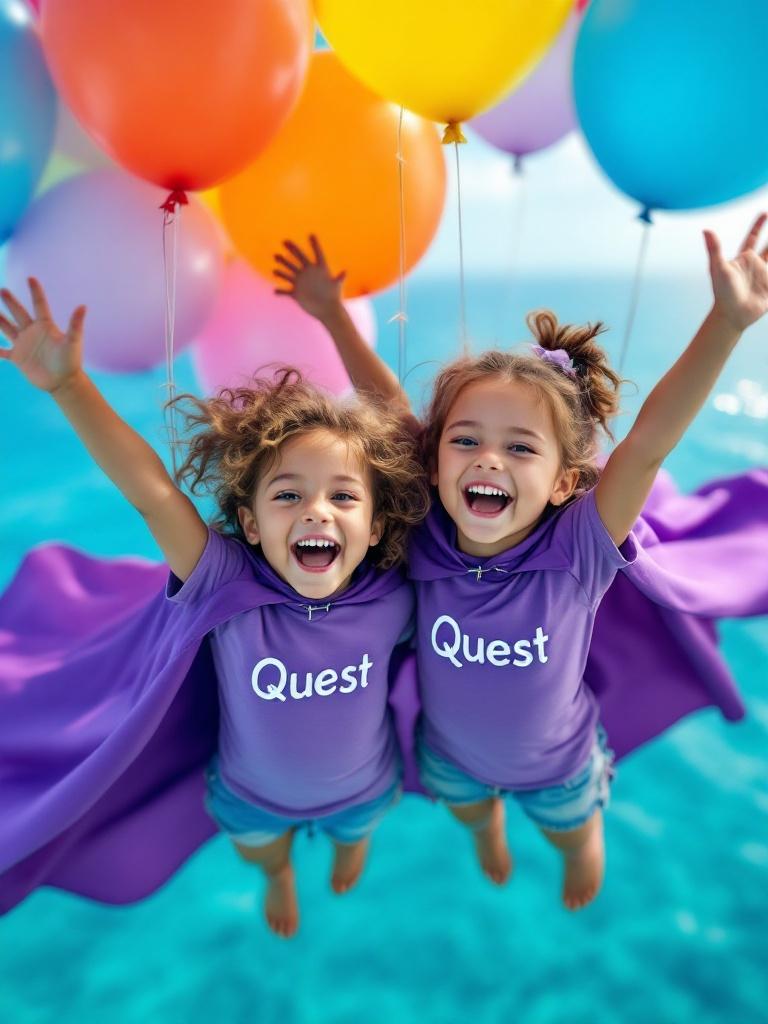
[{"x": 559, "y": 357}]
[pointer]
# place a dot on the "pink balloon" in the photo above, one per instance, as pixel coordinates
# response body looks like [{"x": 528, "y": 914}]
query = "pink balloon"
[
  {"x": 541, "y": 111},
  {"x": 251, "y": 328},
  {"x": 96, "y": 239}
]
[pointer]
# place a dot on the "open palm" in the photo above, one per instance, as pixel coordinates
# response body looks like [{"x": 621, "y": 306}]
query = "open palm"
[
  {"x": 740, "y": 285},
  {"x": 44, "y": 354}
]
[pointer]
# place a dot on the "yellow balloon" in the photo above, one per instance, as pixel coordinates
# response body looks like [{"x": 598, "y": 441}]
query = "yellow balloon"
[{"x": 444, "y": 59}]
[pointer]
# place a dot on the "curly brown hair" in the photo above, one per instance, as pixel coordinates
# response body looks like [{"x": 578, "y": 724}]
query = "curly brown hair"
[
  {"x": 236, "y": 437},
  {"x": 581, "y": 406}
]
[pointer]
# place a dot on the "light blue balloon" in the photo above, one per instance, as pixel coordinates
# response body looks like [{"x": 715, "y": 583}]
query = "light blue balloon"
[
  {"x": 27, "y": 112},
  {"x": 672, "y": 96}
]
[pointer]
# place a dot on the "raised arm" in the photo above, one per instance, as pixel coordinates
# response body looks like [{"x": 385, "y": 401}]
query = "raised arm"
[
  {"x": 740, "y": 288},
  {"x": 311, "y": 284},
  {"x": 52, "y": 361}
]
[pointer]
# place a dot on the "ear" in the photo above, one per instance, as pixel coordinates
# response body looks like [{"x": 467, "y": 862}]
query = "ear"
[
  {"x": 564, "y": 486},
  {"x": 248, "y": 523},
  {"x": 377, "y": 532}
]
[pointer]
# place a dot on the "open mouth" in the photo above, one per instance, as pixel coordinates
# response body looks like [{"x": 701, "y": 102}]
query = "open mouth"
[
  {"x": 316, "y": 553},
  {"x": 485, "y": 500}
]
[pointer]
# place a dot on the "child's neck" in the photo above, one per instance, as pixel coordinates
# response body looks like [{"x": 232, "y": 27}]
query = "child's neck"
[{"x": 478, "y": 549}]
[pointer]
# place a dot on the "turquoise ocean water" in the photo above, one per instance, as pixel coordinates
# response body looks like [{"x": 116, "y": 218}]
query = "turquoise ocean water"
[{"x": 680, "y": 931}]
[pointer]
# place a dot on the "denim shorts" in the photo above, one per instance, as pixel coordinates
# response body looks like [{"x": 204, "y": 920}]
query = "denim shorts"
[
  {"x": 555, "y": 808},
  {"x": 249, "y": 825}
]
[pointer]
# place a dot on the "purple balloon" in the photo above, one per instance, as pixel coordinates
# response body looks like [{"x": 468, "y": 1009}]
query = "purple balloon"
[
  {"x": 541, "y": 111},
  {"x": 96, "y": 239}
]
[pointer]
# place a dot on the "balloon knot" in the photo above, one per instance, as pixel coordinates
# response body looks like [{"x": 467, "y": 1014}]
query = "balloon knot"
[
  {"x": 645, "y": 215},
  {"x": 453, "y": 133},
  {"x": 175, "y": 198}
]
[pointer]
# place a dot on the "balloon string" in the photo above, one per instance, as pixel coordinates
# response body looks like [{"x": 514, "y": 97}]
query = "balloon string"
[
  {"x": 518, "y": 221},
  {"x": 170, "y": 221},
  {"x": 462, "y": 293},
  {"x": 635, "y": 298},
  {"x": 401, "y": 315}
]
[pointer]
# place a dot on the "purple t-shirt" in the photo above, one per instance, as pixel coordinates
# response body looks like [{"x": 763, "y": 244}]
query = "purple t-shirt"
[
  {"x": 502, "y": 644},
  {"x": 303, "y": 687}
]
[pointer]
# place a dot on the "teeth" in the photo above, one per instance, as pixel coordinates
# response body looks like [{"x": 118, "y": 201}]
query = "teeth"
[
  {"x": 312, "y": 542},
  {"x": 486, "y": 489}
]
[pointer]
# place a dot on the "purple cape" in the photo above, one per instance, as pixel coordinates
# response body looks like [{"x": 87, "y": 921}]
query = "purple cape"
[{"x": 108, "y": 708}]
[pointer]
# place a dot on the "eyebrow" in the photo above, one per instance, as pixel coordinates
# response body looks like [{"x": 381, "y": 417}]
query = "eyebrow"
[
  {"x": 339, "y": 479},
  {"x": 512, "y": 430}
]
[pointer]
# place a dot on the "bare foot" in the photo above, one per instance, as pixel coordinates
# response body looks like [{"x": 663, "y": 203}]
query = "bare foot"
[
  {"x": 491, "y": 845},
  {"x": 281, "y": 906},
  {"x": 584, "y": 868},
  {"x": 348, "y": 864}
]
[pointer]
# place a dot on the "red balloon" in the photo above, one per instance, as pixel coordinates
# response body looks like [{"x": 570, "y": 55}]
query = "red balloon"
[{"x": 183, "y": 93}]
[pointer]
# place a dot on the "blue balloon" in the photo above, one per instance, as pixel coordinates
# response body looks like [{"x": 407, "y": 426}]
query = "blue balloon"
[
  {"x": 672, "y": 96},
  {"x": 27, "y": 112}
]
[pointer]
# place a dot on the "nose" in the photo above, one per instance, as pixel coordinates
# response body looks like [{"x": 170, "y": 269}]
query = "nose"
[
  {"x": 488, "y": 457},
  {"x": 316, "y": 510}
]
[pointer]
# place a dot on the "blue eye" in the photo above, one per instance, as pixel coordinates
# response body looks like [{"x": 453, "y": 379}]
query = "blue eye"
[
  {"x": 464, "y": 442},
  {"x": 521, "y": 448},
  {"x": 287, "y": 496},
  {"x": 344, "y": 496}
]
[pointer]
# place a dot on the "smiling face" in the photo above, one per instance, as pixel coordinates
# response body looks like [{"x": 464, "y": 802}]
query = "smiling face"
[
  {"x": 498, "y": 465},
  {"x": 312, "y": 514}
]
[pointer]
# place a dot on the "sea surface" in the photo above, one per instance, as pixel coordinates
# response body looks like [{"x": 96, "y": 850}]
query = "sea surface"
[{"x": 680, "y": 931}]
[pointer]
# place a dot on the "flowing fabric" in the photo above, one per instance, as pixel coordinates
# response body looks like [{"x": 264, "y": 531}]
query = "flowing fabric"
[{"x": 108, "y": 706}]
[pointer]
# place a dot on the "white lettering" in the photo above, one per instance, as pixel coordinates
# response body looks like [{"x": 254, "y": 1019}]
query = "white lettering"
[
  {"x": 365, "y": 664},
  {"x": 447, "y": 651},
  {"x": 348, "y": 675},
  {"x": 325, "y": 682},
  {"x": 274, "y": 691},
  {"x": 271, "y": 686},
  {"x": 448, "y": 641},
  {"x": 497, "y": 653},
  {"x": 479, "y": 654},
  {"x": 523, "y": 651},
  {"x": 540, "y": 639}
]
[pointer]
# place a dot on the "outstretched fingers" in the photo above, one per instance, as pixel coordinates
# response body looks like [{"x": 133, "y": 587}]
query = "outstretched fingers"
[
  {"x": 17, "y": 310},
  {"x": 714, "y": 248},
  {"x": 317, "y": 251},
  {"x": 8, "y": 329},
  {"x": 279, "y": 258},
  {"x": 39, "y": 301},
  {"x": 76, "y": 322},
  {"x": 753, "y": 234},
  {"x": 296, "y": 252}
]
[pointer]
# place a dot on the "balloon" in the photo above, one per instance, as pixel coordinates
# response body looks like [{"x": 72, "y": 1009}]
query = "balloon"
[
  {"x": 333, "y": 171},
  {"x": 27, "y": 113},
  {"x": 181, "y": 92},
  {"x": 251, "y": 327},
  {"x": 75, "y": 145},
  {"x": 444, "y": 59},
  {"x": 96, "y": 239},
  {"x": 672, "y": 98},
  {"x": 540, "y": 111}
]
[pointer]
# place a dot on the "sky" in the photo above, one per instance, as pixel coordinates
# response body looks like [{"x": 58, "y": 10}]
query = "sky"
[{"x": 570, "y": 216}]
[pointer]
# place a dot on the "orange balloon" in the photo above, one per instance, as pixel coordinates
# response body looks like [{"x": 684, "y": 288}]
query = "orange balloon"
[
  {"x": 332, "y": 171},
  {"x": 183, "y": 93}
]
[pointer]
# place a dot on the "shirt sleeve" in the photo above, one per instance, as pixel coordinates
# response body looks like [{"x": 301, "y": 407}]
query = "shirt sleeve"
[
  {"x": 222, "y": 560},
  {"x": 595, "y": 559}
]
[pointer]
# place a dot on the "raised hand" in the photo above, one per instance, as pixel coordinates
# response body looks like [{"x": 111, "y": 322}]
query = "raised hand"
[
  {"x": 740, "y": 285},
  {"x": 45, "y": 355},
  {"x": 311, "y": 283}
]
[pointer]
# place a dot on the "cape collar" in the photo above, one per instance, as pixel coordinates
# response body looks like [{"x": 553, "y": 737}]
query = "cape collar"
[{"x": 434, "y": 552}]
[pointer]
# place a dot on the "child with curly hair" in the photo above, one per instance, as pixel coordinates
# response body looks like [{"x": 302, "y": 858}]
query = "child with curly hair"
[{"x": 315, "y": 497}]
